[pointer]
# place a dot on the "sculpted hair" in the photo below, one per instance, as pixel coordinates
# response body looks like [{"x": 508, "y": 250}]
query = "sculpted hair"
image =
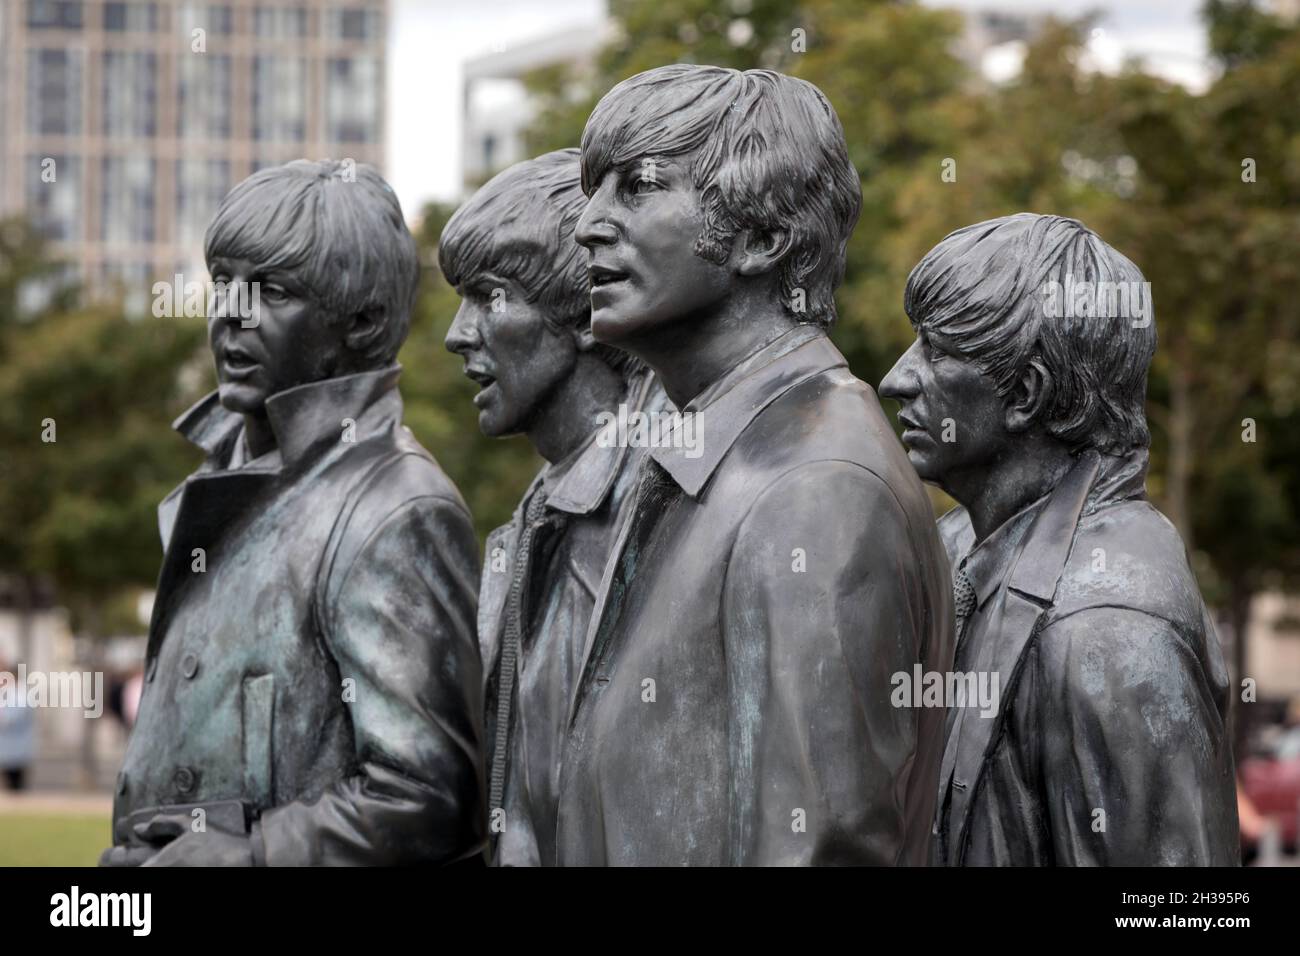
[
  {"x": 999, "y": 289},
  {"x": 520, "y": 225},
  {"x": 772, "y": 159},
  {"x": 343, "y": 238}
]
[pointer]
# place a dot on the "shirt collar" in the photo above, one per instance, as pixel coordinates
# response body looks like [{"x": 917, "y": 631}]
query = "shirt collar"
[
  {"x": 725, "y": 409},
  {"x": 1119, "y": 477},
  {"x": 581, "y": 482},
  {"x": 302, "y": 418},
  {"x": 989, "y": 562}
]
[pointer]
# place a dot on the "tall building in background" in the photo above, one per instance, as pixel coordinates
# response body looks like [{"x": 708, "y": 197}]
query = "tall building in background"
[
  {"x": 496, "y": 107},
  {"x": 126, "y": 121}
]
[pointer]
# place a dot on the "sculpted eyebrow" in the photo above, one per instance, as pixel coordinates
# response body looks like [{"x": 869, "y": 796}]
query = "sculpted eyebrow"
[{"x": 634, "y": 166}]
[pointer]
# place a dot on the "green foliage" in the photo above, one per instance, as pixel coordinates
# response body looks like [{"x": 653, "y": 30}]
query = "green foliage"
[
  {"x": 81, "y": 510},
  {"x": 1240, "y": 31}
]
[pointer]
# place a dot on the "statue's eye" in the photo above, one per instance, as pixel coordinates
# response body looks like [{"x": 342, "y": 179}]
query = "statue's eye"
[{"x": 933, "y": 352}]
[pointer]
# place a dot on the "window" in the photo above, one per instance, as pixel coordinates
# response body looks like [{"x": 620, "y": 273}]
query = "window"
[
  {"x": 130, "y": 93},
  {"x": 353, "y": 23},
  {"x": 205, "y": 97},
  {"x": 54, "y": 14},
  {"x": 279, "y": 98},
  {"x": 120, "y": 17},
  {"x": 54, "y": 195},
  {"x": 212, "y": 17},
  {"x": 54, "y": 92},
  {"x": 280, "y": 22},
  {"x": 352, "y": 99},
  {"x": 200, "y": 186},
  {"x": 126, "y": 199}
]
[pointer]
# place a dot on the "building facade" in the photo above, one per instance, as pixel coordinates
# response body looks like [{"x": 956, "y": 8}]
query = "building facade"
[{"x": 126, "y": 121}]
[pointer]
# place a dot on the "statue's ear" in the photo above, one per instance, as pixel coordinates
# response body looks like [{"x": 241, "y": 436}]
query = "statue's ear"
[
  {"x": 363, "y": 328},
  {"x": 758, "y": 251},
  {"x": 1030, "y": 398}
]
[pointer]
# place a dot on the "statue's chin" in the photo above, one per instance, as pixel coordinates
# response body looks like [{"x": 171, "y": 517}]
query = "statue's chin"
[
  {"x": 240, "y": 398},
  {"x": 924, "y": 470}
]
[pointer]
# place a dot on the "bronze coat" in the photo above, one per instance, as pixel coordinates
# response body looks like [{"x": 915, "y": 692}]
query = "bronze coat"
[
  {"x": 1109, "y": 745},
  {"x": 733, "y": 708},
  {"x": 334, "y": 570},
  {"x": 585, "y": 497}
]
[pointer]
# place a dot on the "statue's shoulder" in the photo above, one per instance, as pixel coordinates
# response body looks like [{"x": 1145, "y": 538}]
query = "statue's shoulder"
[
  {"x": 393, "y": 477},
  {"x": 1128, "y": 555}
]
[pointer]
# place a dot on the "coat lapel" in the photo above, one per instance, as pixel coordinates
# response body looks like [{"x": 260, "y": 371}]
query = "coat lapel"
[
  {"x": 1030, "y": 589},
  {"x": 493, "y": 590},
  {"x": 201, "y": 509}
]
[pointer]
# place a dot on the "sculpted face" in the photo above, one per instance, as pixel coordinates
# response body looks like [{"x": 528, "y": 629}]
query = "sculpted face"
[
  {"x": 289, "y": 341},
  {"x": 510, "y": 350},
  {"x": 953, "y": 418},
  {"x": 640, "y": 230}
]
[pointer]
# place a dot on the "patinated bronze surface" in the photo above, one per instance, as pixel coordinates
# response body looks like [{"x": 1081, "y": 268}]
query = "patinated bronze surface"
[
  {"x": 542, "y": 375},
  {"x": 712, "y": 641},
  {"x": 1022, "y": 397},
  {"x": 312, "y": 685},
  {"x": 734, "y": 702}
]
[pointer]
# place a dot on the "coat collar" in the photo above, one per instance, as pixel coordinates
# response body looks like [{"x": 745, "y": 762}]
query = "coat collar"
[
  {"x": 305, "y": 419},
  {"x": 580, "y": 484},
  {"x": 1119, "y": 478},
  {"x": 989, "y": 561},
  {"x": 302, "y": 418},
  {"x": 726, "y": 408}
]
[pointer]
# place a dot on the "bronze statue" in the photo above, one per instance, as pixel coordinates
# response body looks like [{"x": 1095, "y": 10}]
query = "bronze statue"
[
  {"x": 1022, "y": 397},
  {"x": 312, "y": 678},
  {"x": 734, "y": 703},
  {"x": 524, "y": 330}
]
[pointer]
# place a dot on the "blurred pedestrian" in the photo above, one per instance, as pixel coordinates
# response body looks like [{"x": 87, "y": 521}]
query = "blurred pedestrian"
[{"x": 17, "y": 730}]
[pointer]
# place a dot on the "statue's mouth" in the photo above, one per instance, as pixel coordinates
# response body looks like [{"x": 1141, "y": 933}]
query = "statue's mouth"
[
  {"x": 237, "y": 362},
  {"x": 603, "y": 276}
]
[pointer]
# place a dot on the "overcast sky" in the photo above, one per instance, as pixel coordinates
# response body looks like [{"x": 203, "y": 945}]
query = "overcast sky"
[{"x": 431, "y": 40}]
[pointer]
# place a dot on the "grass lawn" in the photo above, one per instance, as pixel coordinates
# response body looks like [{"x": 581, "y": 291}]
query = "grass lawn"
[{"x": 37, "y": 839}]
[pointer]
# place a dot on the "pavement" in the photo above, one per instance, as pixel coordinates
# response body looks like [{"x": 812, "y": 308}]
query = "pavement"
[{"x": 55, "y": 803}]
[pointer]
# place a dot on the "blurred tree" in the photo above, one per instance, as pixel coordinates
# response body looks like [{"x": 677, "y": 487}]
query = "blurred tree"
[
  {"x": 86, "y": 401},
  {"x": 1240, "y": 30},
  {"x": 30, "y": 279}
]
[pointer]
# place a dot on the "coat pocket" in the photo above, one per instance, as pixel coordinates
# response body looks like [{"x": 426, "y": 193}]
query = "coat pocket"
[{"x": 258, "y": 703}]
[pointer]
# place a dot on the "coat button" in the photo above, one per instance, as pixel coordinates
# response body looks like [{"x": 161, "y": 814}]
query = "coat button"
[
  {"x": 184, "y": 780},
  {"x": 190, "y": 666}
]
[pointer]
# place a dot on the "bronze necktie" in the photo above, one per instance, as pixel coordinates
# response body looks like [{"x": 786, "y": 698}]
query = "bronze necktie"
[{"x": 964, "y": 599}]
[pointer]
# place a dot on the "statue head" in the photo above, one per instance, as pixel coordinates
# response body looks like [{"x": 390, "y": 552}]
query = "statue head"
[
  {"x": 1031, "y": 333},
  {"x": 325, "y": 270},
  {"x": 703, "y": 180},
  {"x": 525, "y": 314}
]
